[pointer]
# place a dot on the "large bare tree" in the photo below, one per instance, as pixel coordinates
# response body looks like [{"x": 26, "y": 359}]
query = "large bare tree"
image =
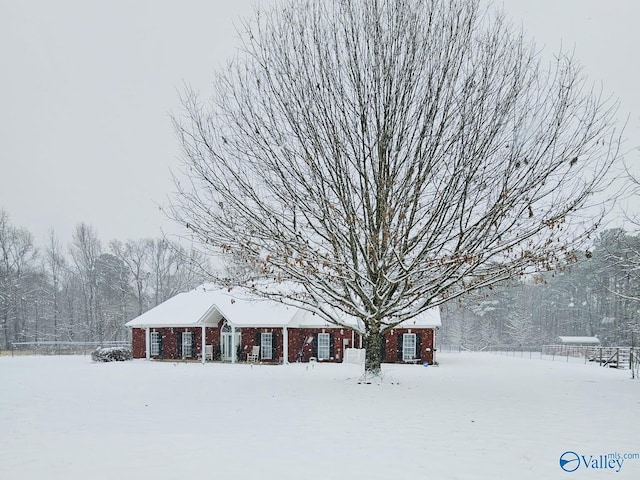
[{"x": 377, "y": 158}]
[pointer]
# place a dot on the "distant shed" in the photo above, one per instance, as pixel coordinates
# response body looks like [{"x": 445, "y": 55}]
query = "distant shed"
[{"x": 585, "y": 341}]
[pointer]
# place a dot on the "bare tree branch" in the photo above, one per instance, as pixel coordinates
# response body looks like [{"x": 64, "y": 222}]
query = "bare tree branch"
[{"x": 383, "y": 157}]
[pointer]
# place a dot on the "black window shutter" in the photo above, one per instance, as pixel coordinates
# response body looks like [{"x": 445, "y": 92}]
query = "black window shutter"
[
  {"x": 400, "y": 345},
  {"x": 419, "y": 345},
  {"x": 179, "y": 344},
  {"x": 274, "y": 344},
  {"x": 314, "y": 346},
  {"x": 332, "y": 346},
  {"x": 259, "y": 344},
  {"x": 160, "y": 337}
]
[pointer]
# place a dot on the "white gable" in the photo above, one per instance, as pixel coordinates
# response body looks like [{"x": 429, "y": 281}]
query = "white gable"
[{"x": 242, "y": 310}]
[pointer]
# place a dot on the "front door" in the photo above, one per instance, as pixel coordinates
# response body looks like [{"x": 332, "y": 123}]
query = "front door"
[{"x": 226, "y": 343}]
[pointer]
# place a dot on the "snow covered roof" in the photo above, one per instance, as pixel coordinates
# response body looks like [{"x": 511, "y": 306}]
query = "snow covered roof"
[
  {"x": 580, "y": 340},
  {"x": 205, "y": 306},
  {"x": 241, "y": 310},
  {"x": 427, "y": 319},
  {"x": 306, "y": 319},
  {"x": 195, "y": 308}
]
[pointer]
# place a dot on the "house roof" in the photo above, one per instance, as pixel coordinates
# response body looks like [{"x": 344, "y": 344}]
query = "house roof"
[
  {"x": 580, "y": 340},
  {"x": 241, "y": 310},
  {"x": 306, "y": 319},
  {"x": 195, "y": 308},
  {"x": 427, "y": 319},
  {"x": 206, "y": 307}
]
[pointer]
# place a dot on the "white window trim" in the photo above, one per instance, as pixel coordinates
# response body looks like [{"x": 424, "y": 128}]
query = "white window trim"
[
  {"x": 409, "y": 344},
  {"x": 187, "y": 344},
  {"x": 266, "y": 345},
  {"x": 155, "y": 343},
  {"x": 324, "y": 346}
]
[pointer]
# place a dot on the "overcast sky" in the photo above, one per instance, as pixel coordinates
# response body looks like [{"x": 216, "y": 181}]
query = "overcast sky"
[{"x": 86, "y": 89}]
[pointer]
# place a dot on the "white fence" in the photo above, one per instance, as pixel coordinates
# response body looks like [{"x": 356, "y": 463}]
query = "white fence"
[
  {"x": 615, "y": 357},
  {"x": 62, "y": 348},
  {"x": 354, "y": 355}
]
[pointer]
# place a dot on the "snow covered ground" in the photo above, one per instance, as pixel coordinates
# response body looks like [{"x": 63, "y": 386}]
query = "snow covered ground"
[{"x": 477, "y": 416}]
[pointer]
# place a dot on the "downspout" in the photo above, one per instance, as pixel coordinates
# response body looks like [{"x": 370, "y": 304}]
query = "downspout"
[
  {"x": 203, "y": 343},
  {"x": 285, "y": 346},
  {"x": 147, "y": 343}
]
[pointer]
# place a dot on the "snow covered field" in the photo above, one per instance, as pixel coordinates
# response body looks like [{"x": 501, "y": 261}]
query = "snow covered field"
[{"x": 477, "y": 416}]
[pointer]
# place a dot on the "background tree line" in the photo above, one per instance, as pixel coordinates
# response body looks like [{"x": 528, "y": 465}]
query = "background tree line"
[
  {"x": 599, "y": 296},
  {"x": 85, "y": 291}
]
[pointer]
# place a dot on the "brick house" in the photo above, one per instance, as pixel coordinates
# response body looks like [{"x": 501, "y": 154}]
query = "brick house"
[{"x": 227, "y": 325}]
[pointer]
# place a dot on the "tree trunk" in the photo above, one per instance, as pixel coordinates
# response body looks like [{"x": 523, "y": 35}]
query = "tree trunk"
[{"x": 373, "y": 356}]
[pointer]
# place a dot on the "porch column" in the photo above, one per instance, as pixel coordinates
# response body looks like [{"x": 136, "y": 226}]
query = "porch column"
[
  {"x": 147, "y": 342},
  {"x": 360, "y": 341},
  {"x": 233, "y": 344},
  {"x": 203, "y": 342},
  {"x": 353, "y": 339},
  {"x": 285, "y": 346}
]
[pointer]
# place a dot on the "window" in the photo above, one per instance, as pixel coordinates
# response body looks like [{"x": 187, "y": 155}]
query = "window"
[
  {"x": 155, "y": 343},
  {"x": 408, "y": 346},
  {"x": 187, "y": 344},
  {"x": 324, "y": 346},
  {"x": 266, "y": 346}
]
